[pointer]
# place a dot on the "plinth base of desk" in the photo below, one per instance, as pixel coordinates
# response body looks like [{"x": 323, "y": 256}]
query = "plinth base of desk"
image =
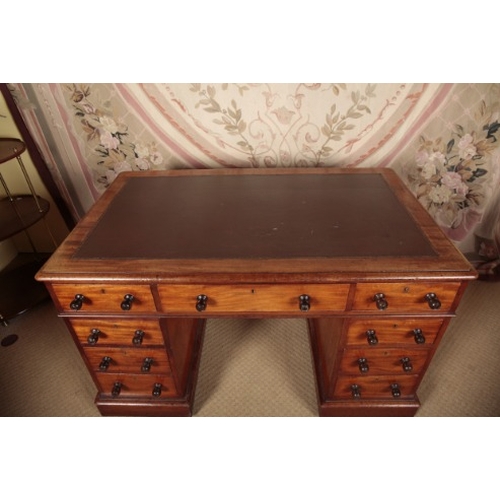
[
  {"x": 112, "y": 408},
  {"x": 402, "y": 408}
]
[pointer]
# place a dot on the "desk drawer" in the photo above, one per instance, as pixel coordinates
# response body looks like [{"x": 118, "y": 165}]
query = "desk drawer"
[
  {"x": 368, "y": 361},
  {"x": 95, "y": 332},
  {"x": 120, "y": 385},
  {"x": 129, "y": 359},
  {"x": 376, "y": 387},
  {"x": 81, "y": 297},
  {"x": 405, "y": 297},
  {"x": 253, "y": 298},
  {"x": 382, "y": 331}
]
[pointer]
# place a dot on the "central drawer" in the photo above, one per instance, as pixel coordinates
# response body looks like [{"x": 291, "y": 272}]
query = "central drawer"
[{"x": 293, "y": 298}]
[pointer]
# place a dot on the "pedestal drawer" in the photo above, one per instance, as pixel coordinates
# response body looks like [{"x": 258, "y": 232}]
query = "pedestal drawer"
[
  {"x": 115, "y": 360},
  {"x": 93, "y": 332},
  {"x": 383, "y": 361},
  {"x": 206, "y": 299},
  {"x": 82, "y": 297},
  {"x": 405, "y": 297},
  {"x": 377, "y": 331},
  {"x": 376, "y": 387},
  {"x": 120, "y": 385}
]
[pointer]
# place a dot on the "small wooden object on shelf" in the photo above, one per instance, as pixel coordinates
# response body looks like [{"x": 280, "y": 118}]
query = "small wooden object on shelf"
[{"x": 18, "y": 212}]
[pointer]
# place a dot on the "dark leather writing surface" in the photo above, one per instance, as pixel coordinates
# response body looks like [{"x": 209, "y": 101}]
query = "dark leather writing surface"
[{"x": 255, "y": 216}]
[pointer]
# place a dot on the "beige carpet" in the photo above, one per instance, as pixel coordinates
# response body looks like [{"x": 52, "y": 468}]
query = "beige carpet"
[{"x": 253, "y": 367}]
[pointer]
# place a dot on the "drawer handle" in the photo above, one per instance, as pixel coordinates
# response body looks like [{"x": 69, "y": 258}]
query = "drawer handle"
[
  {"x": 126, "y": 305},
  {"x": 396, "y": 391},
  {"x": 371, "y": 337},
  {"x": 356, "y": 393},
  {"x": 419, "y": 336},
  {"x": 77, "y": 302},
  {"x": 304, "y": 303},
  {"x": 94, "y": 336},
  {"x": 407, "y": 366},
  {"x": 433, "y": 301},
  {"x": 104, "y": 365},
  {"x": 117, "y": 387},
  {"x": 201, "y": 302},
  {"x": 156, "y": 390},
  {"x": 138, "y": 337},
  {"x": 363, "y": 365},
  {"x": 379, "y": 299},
  {"x": 146, "y": 364}
]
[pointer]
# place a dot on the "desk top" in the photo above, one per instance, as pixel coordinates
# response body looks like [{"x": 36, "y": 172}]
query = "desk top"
[{"x": 287, "y": 224}]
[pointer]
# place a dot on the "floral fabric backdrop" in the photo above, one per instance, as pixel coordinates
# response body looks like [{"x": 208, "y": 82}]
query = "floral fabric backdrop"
[{"x": 442, "y": 139}]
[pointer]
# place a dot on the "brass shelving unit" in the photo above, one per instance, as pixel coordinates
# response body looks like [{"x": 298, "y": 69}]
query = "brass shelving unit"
[{"x": 18, "y": 212}]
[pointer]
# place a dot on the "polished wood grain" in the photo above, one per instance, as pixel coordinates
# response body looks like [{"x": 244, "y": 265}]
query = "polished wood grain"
[
  {"x": 376, "y": 387},
  {"x": 118, "y": 331},
  {"x": 281, "y": 299},
  {"x": 253, "y": 242},
  {"x": 397, "y": 330},
  {"x": 102, "y": 298},
  {"x": 136, "y": 385},
  {"x": 407, "y": 297},
  {"x": 383, "y": 361},
  {"x": 125, "y": 359}
]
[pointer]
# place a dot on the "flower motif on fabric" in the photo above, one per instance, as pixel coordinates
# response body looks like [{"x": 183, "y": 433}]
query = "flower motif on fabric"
[
  {"x": 109, "y": 138},
  {"x": 450, "y": 178},
  {"x": 282, "y": 133}
]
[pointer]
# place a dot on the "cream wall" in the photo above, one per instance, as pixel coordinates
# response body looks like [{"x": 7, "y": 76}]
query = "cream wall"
[{"x": 16, "y": 183}]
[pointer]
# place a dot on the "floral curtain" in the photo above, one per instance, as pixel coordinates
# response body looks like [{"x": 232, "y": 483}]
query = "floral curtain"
[{"x": 442, "y": 139}]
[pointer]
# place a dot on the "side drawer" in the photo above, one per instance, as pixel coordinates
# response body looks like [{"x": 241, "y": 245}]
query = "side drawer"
[
  {"x": 405, "y": 297},
  {"x": 95, "y": 332},
  {"x": 122, "y": 385},
  {"x": 81, "y": 297},
  {"x": 376, "y": 387},
  {"x": 253, "y": 298},
  {"x": 383, "y": 331},
  {"x": 130, "y": 359},
  {"x": 380, "y": 361}
]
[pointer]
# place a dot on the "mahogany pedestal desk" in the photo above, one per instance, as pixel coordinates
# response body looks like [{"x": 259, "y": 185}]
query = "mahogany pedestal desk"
[{"x": 350, "y": 251}]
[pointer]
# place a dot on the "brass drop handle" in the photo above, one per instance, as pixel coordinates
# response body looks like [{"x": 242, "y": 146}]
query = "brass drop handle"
[
  {"x": 77, "y": 302},
  {"x": 363, "y": 365},
  {"x": 356, "y": 393},
  {"x": 156, "y": 390},
  {"x": 104, "y": 364},
  {"x": 379, "y": 299},
  {"x": 371, "y": 337},
  {"x": 117, "y": 387},
  {"x": 433, "y": 301},
  {"x": 396, "y": 391},
  {"x": 419, "y": 336},
  {"x": 138, "y": 337},
  {"x": 304, "y": 303},
  {"x": 146, "y": 364},
  {"x": 94, "y": 336},
  {"x": 126, "y": 305},
  {"x": 407, "y": 366},
  {"x": 201, "y": 302}
]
